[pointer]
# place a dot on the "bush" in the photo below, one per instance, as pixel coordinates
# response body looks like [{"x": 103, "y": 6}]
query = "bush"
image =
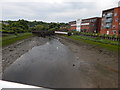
[
  {"x": 114, "y": 36},
  {"x": 69, "y": 33}
]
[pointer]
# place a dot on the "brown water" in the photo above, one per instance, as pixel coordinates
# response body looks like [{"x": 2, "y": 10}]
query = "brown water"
[
  {"x": 49, "y": 65},
  {"x": 54, "y": 65}
]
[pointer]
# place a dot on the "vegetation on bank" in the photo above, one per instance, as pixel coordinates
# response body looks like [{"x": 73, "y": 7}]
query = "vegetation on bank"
[
  {"x": 12, "y": 31},
  {"x": 97, "y": 39},
  {"x": 23, "y": 26},
  {"x": 9, "y": 39},
  {"x": 97, "y": 35},
  {"x": 11, "y": 27},
  {"x": 107, "y": 44}
]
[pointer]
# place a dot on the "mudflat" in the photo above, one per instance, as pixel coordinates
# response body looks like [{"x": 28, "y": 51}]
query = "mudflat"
[
  {"x": 12, "y": 52},
  {"x": 60, "y": 63}
]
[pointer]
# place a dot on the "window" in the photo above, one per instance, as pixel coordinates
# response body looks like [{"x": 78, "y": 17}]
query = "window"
[
  {"x": 115, "y": 14},
  {"x": 94, "y": 20},
  {"x": 116, "y": 20},
  {"x": 107, "y": 26}
]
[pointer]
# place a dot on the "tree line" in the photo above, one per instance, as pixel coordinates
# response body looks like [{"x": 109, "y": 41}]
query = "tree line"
[{"x": 22, "y": 26}]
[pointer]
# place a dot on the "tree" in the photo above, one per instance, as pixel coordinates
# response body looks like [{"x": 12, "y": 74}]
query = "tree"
[
  {"x": 39, "y": 27},
  {"x": 23, "y": 24},
  {"x": 52, "y": 29}
]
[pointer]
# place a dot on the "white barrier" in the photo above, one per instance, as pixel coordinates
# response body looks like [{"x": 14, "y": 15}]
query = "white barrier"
[
  {"x": 58, "y": 32},
  {"x": 6, "y": 84}
]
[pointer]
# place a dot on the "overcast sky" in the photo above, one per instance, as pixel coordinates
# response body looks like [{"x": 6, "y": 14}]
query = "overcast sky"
[{"x": 54, "y": 10}]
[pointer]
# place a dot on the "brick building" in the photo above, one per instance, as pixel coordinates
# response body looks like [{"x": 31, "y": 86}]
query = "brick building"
[
  {"x": 110, "y": 21},
  {"x": 91, "y": 25},
  {"x": 72, "y": 26}
]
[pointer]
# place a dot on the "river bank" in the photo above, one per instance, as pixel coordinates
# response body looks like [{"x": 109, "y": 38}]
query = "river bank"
[
  {"x": 92, "y": 53},
  {"x": 103, "y": 69},
  {"x": 8, "y": 39},
  {"x": 61, "y": 62},
  {"x": 14, "y": 51}
]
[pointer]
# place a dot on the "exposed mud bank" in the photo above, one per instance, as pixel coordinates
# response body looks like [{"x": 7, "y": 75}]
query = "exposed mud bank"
[
  {"x": 107, "y": 59},
  {"x": 60, "y": 63},
  {"x": 14, "y": 51}
]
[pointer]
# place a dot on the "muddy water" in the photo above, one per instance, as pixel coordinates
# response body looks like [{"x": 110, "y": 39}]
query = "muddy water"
[
  {"x": 49, "y": 65},
  {"x": 54, "y": 65}
]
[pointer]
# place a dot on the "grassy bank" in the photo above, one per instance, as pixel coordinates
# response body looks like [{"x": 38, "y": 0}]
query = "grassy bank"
[
  {"x": 107, "y": 44},
  {"x": 9, "y": 39}
]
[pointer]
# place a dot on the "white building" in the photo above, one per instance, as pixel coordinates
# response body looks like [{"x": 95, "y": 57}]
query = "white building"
[{"x": 78, "y": 25}]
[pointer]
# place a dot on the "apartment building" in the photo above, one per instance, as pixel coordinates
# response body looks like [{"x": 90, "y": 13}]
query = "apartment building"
[
  {"x": 110, "y": 23},
  {"x": 75, "y": 25},
  {"x": 91, "y": 25},
  {"x": 72, "y": 26}
]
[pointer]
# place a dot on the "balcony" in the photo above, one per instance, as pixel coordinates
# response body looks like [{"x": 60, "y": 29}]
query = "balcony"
[
  {"x": 107, "y": 27},
  {"x": 108, "y": 20},
  {"x": 108, "y": 15}
]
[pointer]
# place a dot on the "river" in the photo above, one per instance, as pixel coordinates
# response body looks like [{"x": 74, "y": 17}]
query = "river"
[
  {"x": 54, "y": 65},
  {"x": 49, "y": 65}
]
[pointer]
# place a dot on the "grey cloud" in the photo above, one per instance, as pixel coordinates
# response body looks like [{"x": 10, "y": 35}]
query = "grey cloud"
[{"x": 58, "y": 12}]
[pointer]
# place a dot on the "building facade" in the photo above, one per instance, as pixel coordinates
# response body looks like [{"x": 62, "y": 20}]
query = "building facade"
[
  {"x": 75, "y": 25},
  {"x": 72, "y": 26},
  {"x": 78, "y": 25},
  {"x": 91, "y": 25},
  {"x": 110, "y": 24}
]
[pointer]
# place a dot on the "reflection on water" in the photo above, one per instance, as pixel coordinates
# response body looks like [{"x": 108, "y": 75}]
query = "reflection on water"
[
  {"x": 48, "y": 65},
  {"x": 53, "y": 65}
]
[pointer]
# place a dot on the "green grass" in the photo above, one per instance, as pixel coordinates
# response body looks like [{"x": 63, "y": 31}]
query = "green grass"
[
  {"x": 107, "y": 44},
  {"x": 98, "y": 39},
  {"x": 7, "y": 40}
]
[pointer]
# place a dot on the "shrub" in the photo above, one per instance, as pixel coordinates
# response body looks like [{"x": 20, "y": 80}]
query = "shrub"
[{"x": 69, "y": 33}]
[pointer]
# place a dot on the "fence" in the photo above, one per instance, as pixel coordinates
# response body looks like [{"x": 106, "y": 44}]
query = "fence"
[{"x": 95, "y": 35}]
